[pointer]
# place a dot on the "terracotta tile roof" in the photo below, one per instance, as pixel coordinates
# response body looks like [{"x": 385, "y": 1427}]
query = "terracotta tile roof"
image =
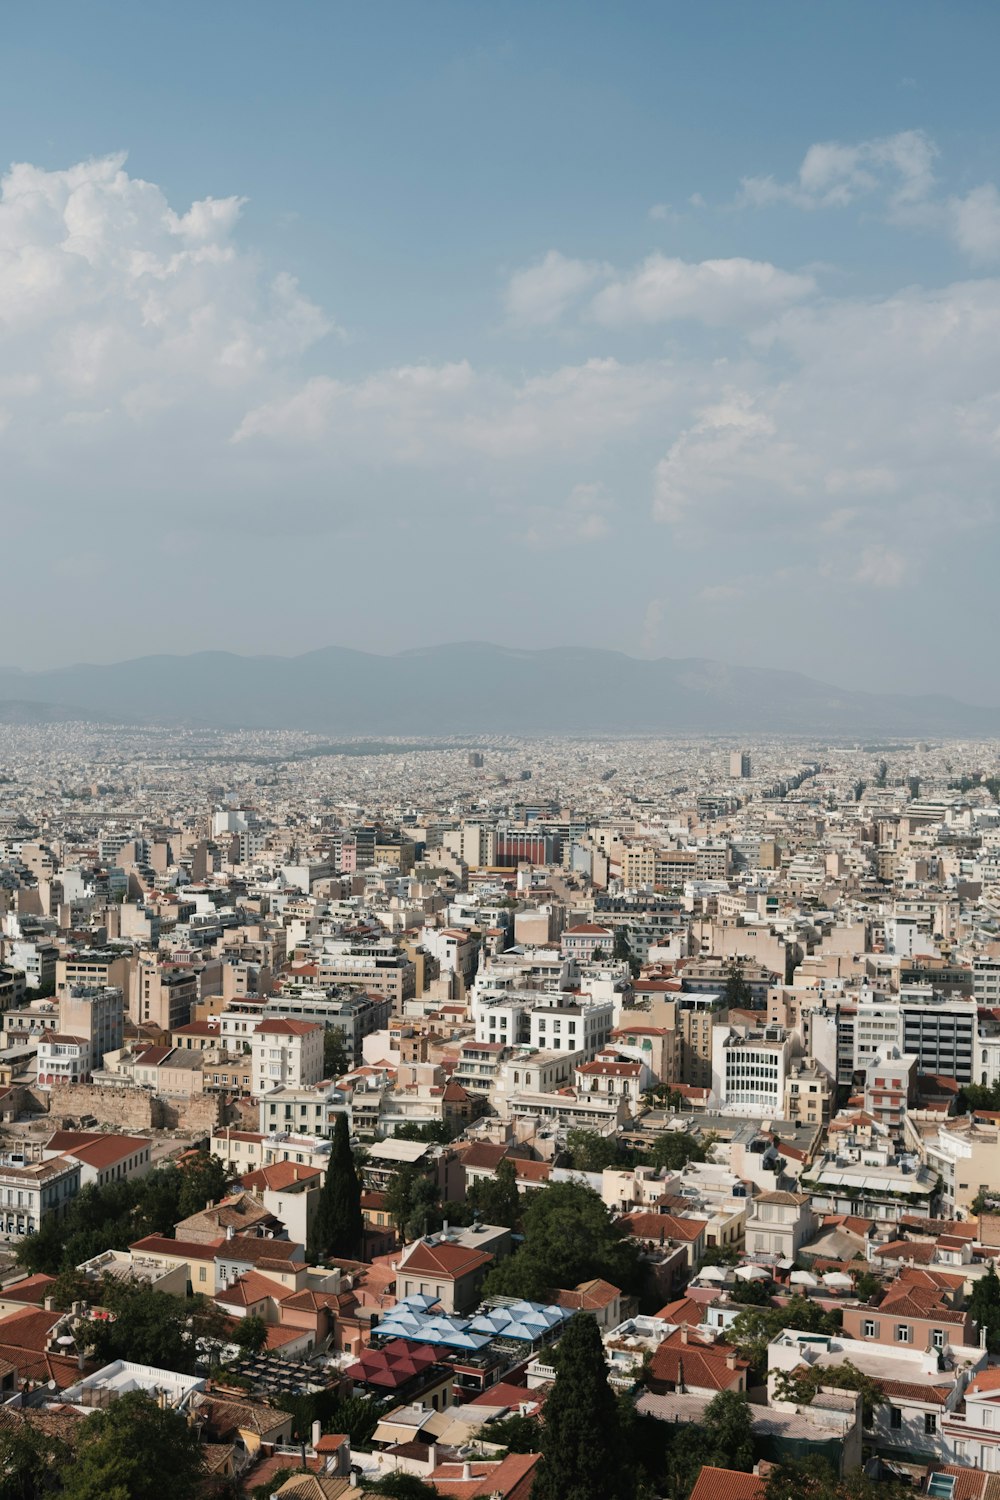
[
  {"x": 258, "y": 1250},
  {"x": 249, "y": 1289},
  {"x": 907, "y": 1250},
  {"x": 703, "y": 1365},
  {"x": 662, "y": 1227},
  {"x": 30, "y": 1289},
  {"x": 907, "y": 1390},
  {"x": 727, "y": 1484},
  {"x": 588, "y": 1296},
  {"x": 159, "y": 1244},
  {"x": 281, "y": 1176},
  {"x": 510, "y": 1479},
  {"x": 442, "y": 1259}
]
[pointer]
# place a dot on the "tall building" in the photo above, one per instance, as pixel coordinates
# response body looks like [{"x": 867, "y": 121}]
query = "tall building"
[
  {"x": 739, "y": 764},
  {"x": 96, "y": 1014}
]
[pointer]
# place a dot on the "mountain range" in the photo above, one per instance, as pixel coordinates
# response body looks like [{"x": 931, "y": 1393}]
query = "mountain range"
[{"x": 474, "y": 688}]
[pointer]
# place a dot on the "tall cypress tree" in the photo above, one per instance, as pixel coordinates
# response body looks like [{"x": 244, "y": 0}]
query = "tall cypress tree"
[
  {"x": 338, "y": 1228},
  {"x": 581, "y": 1440}
]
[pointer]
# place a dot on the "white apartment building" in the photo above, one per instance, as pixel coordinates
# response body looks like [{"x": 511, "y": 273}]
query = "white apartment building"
[
  {"x": 749, "y": 1069},
  {"x": 63, "y": 1059},
  {"x": 559, "y": 1023},
  {"x": 33, "y": 1191},
  {"x": 986, "y": 980},
  {"x": 286, "y": 1052}
]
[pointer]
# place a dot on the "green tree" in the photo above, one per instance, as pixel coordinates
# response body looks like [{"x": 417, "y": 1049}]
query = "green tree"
[
  {"x": 802, "y": 1386},
  {"x": 358, "y": 1416},
  {"x": 674, "y": 1149},
  {"x": 815, "y": 1479},
  {"x": 335, "y": 1059},
  {"x": 148, "y": 1327},
  {"x": 582, "y": 1452},
  {"x": 517, "y": 1434},
  {"x": 590, "y": 1151},
  {"x": 728, "y": 1428},
  {"x": 569, "y": 1237},
  {"x": 496, "y": 1199},
  {"x": 251, "y": 1334},
  {"x": 69, "y": 1287},
  {"x": 867, "y": 1286},
  {"x": 403, "y": 1486},
  {"x": 205, "y": 1179},
  {"x": 984, "y": 1306},
  {"x": 737, "y": 993},
  {"x": 755, "y": 1327},
  {"x": 30, "y": 1463},
  {"x": 338, "y": 1229},
  {"x": 753, "y": 1293},
  {"x": 127, "y": 1451}
]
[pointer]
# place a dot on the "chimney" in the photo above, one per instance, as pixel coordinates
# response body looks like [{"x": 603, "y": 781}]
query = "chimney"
[
  {"x": 684, "y": 1333},
  {"x": 432, "y": 1457},
  {"x": 317, "y": 1432},
  {"x": 466, "y": 1471},
  {"x": 731, "y": 1360}
]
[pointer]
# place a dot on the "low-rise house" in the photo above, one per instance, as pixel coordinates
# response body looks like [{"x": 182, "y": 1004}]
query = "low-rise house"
[
  {"x": 103, "y": 1158},
  {"x": 439, "y": 1267},
  {"x": 691, "y": 1365},
  {"x": 779, "y": 1224},
  {"x": 31, "y": 1192},
  {"x": 914, "y": 1315}
]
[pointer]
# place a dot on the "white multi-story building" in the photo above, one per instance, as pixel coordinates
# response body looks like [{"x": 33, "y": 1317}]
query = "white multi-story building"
[
  {"x": 286, "y": 1052},
  {"x": 33, "y": 1191},
  {"x": 749, "y": 1069},
  {"x": 561, "y": 1023}
]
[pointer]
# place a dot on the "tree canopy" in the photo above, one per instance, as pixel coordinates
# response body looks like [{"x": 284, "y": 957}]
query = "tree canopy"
[
  {"x": 131, "y": 1451},
  {"x": 582, "y": 1450},
  {"x": 338, "y": 1228},
  {"x": 755, "y": 1327},
  {"x": 984, "y": 1306},
  {"x": 496, "y": 1199},
  {"x": 153, "y": 1328},
  {"x": 569, "y": 1237}
]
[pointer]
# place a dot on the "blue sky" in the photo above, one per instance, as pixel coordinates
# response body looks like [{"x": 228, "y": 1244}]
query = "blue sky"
[{"x": 661, "y": 327}]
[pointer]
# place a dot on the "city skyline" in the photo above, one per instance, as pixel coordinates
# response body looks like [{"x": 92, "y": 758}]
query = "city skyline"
[{"x": 622, "y": 336}]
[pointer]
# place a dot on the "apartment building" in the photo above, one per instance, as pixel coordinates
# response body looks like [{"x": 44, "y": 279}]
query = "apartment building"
[
  {"x": 31, "y": 1192},
  {"x": 286, "y": 1052},
  {"x": 95, "y": 1013},
  {"x": 750, "y": 1069},
  {"x": 162, "y": 995}
]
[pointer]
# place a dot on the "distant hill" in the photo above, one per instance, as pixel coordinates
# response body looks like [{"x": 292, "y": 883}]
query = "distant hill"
[{"x": 475, "y": 688}]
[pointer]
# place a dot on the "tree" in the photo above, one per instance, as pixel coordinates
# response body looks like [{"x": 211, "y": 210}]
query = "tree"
[
  {"x": 728, "y": 1427},
  {"x": 149, "y": 1327},
  {"x": 582, "y": 1453},
  {"x": 251, "y": 1334},
  {"x": 673, "y": 1150},
  {"x": 802, "y": 1386},
  {"x": 403, "y": 1486},
  {"x": 590, "y": 1151},
  {"x": 69, "y": 1287},
  {"x": 205, "y": 1179},
  {"x": 815, "y": 1479},
  {"x": 496, "y": 1199},
  {"x": 569, "y": 1237},
  {"x": 127, "y": 1451},
  {"x": 30, "y": 1463},
  {"x": 984, "y": 1306},
  {"x": 338, "y": 1229},
  {"x": 517, "y": 1434},
  {"x": 738, "y": 994},
  {"x": 335, "y": 1059},
  {"x": 755, "y": 1327},
  {"x": 753, "y": 1293},
  {"x": 867, "y": 1286}
]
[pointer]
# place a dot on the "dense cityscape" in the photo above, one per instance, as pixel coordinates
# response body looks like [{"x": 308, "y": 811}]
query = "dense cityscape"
[{"x": 388, "y": 1117}]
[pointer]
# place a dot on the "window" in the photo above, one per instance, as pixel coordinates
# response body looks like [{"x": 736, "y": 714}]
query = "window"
[
  {"x": 937, "y": 1338},
  {"x": 895, "y": 1418},
  {"x": 930, "y": 1423},
  {"x": 902, "y": 1333},
  {"x": 868, "y": 1329}
]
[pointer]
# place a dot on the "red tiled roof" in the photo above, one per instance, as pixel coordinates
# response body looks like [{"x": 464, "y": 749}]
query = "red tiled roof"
[
  {"x": 442, "y": 1259},
  {"x": 159, "y": 1244},
  {"x": 727, "y": 1484},
  {"x": 510, "y": 1479},
  {"x": 393, "y": 1366}
]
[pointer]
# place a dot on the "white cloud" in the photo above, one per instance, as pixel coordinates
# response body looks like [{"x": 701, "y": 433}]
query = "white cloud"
[
  {"x": 881, "y": 567},
  {"x": 975, "y": 223},
  {"x": 583, "y": 517},
  {"x": 540, "y": 294},
  {"x": 716, "y": 292},
  {"x": 833, "y": 175}
]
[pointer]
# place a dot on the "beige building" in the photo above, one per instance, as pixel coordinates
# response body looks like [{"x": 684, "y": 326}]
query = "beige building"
[
  {"x": 162, "y": 995},
  {"x": 808, "y": 1094}
]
